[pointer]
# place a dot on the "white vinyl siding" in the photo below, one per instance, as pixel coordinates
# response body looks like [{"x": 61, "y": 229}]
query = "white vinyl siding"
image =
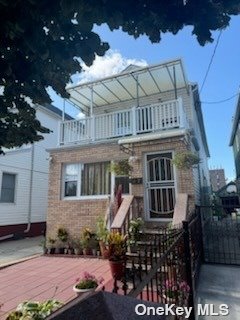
[{"x": 18, "y": 161}]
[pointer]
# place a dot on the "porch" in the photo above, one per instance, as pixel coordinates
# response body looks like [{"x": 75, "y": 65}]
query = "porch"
[{"x": 129, "y": 122}]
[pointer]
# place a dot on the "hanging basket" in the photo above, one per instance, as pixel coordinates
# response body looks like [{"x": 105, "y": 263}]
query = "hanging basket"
[{"x": 185, "y": 160}]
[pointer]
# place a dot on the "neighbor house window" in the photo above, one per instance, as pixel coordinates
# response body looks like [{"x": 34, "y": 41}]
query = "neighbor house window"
[
  {"x": 8, "y": 188},
  {"x": 90, "y": 179}
]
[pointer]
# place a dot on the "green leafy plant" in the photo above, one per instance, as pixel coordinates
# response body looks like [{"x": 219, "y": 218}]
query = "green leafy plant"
[
  {"x": 33, "y": 310},
  {"x": 185, "y": 160},
  {"x": 51, "y": 241},
  {"x": 62, "y": 234},
  {"x": 101, "y": 230},
  {"x": 117, "y": 246},
  {"x": 88, "y": 281},
  {"x": 121, "y": 168},
  {"x": 135, "y": 227}
]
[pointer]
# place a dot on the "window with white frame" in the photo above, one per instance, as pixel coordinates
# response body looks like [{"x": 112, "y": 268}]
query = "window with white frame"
[
  {"x": 8, "y": 188},
  {"x": 90, "y": 179}
]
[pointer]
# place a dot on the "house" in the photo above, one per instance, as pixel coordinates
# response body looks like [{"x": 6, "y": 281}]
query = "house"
[
  {"x": 24, "y": 180},
  {"x": 217, "y": 179},
  {"x": 228, "y": 197},
  {"x": 143, "y": 115},
  {"x": 235, "y": 142}
]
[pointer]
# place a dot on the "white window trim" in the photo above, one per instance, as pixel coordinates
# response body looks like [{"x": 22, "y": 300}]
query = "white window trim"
[
  {"x": 15, "y": 188},
  {"x": 78, "y": 196}
]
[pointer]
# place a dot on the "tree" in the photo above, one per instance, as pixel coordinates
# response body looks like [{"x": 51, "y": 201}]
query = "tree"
[{"x": 40, "y": 40}]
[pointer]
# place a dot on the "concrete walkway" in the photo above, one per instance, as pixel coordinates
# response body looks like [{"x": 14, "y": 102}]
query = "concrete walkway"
[
  {"x": 14, "y": 250},
  {"x": 220, "y": 284}
]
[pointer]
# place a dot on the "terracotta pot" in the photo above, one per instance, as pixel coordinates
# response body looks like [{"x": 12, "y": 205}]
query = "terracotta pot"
[
  {"x": 103, "y": 249},
  {"x": 117, "y": 269}
]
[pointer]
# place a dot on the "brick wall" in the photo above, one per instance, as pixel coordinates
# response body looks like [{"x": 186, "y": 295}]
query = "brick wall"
[{"x": 76, "y": 214}]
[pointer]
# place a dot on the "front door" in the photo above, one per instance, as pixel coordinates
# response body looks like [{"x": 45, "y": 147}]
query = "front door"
[{"x": 159, "y": 186}]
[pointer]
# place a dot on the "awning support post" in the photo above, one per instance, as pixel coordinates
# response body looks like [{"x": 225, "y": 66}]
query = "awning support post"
[
  {"x": 175, "y": 82},
  {"x": 137, "y": 90},
  {"x": 91, "y": 101},
  {"x": 63, "y": 110}
]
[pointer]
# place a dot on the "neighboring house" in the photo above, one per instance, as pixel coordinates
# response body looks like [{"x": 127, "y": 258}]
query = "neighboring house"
[
  {"x": 24, "y": 180},
  {"x": 229, "y": 197},
  {"x": 217, "y": 179},
  {"x": 145, "y": 115},
  {"x": 235, "y": 142}
]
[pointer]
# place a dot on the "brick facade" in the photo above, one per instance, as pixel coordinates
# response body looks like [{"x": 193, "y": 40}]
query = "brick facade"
[{"x": 76, "y": 214}]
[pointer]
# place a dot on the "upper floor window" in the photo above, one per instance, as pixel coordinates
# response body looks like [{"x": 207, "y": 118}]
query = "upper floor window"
[{"x": 8, "y": 187}]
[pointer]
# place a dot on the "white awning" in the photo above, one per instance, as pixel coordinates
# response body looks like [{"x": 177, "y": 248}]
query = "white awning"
[{"x": 128, "y": 85}]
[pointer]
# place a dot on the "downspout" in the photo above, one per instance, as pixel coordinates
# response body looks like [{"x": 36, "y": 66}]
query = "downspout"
[{"x": 30, "y": 191}]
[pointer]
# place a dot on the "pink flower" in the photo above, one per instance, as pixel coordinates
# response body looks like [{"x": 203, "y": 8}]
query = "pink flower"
[{"x": 100, "y": 280}]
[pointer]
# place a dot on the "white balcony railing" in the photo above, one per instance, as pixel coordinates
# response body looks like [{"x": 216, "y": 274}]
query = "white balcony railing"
[{"x": 151, "y": 118}]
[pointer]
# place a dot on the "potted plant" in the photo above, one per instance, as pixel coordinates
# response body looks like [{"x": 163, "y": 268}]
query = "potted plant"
[
  {"x": 62, "y": 235},
  {"x": 87, "y": 282},
  {"x": 121, "y": 168},
  {"x": 34, "y": 310},
  {"x": 51, "y": 247},
  {"x": 134, "y": 235},
  {"x": 93, "y": 244},
  {"x": 86, "y": 236},
  {"x": 77, "y": 245},
  {"x": 174, "y": 290},
  {"x": 185, "y": 160},
  {"x": 117, "y": 251},
  {"x": 102, "y": 236},
  {"x": 44, "y": 246}
]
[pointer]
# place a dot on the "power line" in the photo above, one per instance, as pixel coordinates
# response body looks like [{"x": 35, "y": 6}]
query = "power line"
[
  {"x": 211, "y": 60},
  {"x": 220, "y": 101}
]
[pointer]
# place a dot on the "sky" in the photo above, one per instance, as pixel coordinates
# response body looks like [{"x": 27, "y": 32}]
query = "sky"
[{"x": 221, "y": 83}]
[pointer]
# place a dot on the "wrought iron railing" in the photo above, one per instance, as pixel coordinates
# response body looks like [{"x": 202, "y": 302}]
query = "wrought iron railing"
[
  {"x": 164, "y": 267},
  {"x": 221, "y": 234}
]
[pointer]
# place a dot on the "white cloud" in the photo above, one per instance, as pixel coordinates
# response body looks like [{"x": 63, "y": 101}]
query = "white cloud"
[{"x": 112, "y": 63}]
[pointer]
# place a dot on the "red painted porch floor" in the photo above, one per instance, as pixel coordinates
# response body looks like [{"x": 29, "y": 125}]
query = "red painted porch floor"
[{"x": 45, "y": 278}]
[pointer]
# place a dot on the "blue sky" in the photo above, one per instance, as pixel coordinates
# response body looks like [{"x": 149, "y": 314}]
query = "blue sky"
[{"x": 222, "y": 81}]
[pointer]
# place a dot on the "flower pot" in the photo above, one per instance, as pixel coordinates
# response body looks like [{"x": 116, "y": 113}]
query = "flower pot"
[
  {"x": 87, "y": 252},
  {"x": 103, "y": 250},
  {"x": 52, "y": 250},
  {"x": 94, "y": 252},
  {"x": 80, "y": 291},
  {"x": 77, "y": 251},
  {"x": 117, "y": 269}
]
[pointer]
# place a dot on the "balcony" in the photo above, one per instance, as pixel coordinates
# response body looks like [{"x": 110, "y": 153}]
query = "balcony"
[{"x": 129, "y": 122}]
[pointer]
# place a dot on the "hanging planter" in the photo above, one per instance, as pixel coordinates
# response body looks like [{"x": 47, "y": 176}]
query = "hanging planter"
[
  {"x": 121, "y": 168},
  {"x": 185, "y": 160}
]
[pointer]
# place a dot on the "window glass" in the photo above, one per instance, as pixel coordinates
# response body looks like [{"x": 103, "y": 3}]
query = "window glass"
[
  {"x": 95, "y": 179},
  {"x": 8, "y": 188},
  {"x": 71, "y": 179}
]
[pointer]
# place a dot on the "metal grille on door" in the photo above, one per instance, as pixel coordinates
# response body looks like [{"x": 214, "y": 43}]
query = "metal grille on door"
[{"x": 160, "y": 186}]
